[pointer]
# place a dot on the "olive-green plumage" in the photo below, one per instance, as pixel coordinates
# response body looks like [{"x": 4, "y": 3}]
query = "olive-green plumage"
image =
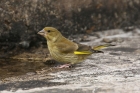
[{"x": 64, "y": 50}]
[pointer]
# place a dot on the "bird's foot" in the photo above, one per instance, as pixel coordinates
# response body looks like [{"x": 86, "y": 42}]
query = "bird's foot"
[{"x": 64, "y": 66}]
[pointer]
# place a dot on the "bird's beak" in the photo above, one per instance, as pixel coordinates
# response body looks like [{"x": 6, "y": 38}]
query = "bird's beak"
[{"x": 42, "y": 32}]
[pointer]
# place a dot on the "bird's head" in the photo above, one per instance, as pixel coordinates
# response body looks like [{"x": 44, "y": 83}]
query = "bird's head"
[{"x": 50, "y": 33}]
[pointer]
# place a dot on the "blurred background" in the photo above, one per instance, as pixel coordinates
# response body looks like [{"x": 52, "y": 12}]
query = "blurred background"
[{"x": 21, "y": 19}]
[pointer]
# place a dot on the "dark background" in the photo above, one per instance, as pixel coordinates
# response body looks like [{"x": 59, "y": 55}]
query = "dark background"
[{"x": 21, "y": 19}]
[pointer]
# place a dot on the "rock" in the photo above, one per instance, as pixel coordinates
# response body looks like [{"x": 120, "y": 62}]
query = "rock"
[
  {"x": 107, "y": 40},
  {"x": 20, "y": 20}
]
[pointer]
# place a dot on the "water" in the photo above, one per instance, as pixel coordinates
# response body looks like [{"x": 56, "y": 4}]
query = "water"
[{"x": 15, "y": 67}]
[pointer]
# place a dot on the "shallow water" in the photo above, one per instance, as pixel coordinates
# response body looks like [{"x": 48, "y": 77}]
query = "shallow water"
[{"x": 13, "y": 67}]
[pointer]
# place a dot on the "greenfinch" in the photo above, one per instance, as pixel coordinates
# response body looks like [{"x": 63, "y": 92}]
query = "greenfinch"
[{"x": 63, "y": 50}]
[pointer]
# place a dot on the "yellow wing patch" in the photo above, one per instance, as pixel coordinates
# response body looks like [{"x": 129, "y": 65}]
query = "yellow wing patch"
[{"x": 82, "y": 52}]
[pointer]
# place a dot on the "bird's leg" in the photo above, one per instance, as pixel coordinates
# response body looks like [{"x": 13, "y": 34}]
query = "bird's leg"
[{"x": 64, "y": 66}]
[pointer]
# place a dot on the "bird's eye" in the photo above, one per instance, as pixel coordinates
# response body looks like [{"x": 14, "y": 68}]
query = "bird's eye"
[{"x": 48, "y": 31}]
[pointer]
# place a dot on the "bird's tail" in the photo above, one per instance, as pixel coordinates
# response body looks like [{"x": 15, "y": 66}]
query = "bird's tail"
[
  {"x": 96, "y": 49},
  {"x": 102, "y": 46}
]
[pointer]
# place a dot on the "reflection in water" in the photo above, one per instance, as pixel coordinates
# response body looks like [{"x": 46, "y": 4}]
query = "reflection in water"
[{"x": 10, "y": 67}]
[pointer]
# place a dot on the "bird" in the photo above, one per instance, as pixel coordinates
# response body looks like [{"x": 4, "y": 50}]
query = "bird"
[{"x": 64, "y": 50}]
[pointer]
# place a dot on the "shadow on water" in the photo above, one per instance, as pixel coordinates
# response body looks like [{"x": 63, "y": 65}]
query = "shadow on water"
[{"x": 13, "y": 67}]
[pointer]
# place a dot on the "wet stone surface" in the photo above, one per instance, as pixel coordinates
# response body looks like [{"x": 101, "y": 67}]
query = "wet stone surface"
[{"x": 117, "y": 70}]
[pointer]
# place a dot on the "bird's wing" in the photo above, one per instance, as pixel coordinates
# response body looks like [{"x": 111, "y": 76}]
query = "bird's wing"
[
  {"x": 83, "y": 49},
  {"x": 66, "y": 46}
]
